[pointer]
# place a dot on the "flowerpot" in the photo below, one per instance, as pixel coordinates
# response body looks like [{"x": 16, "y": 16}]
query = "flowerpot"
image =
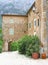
[
  {"x": 35, "y": 55},
  {"x": 43, "y": 55}
]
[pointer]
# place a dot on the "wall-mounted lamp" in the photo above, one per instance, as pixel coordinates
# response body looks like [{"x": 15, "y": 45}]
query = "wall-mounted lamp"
[{"x": 34, "y": 9}]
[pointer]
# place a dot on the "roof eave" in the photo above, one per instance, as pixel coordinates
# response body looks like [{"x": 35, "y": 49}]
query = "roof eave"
[
  {"x": 31, "y": 7},
  {"x": 13, "y": 15}
]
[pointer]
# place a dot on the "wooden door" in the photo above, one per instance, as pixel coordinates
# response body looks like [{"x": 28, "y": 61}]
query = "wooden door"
[{"x": 9, "y": 44}]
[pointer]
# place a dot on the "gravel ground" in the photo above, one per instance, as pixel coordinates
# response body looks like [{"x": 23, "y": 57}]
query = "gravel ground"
[{"x": 13, "y": 58}]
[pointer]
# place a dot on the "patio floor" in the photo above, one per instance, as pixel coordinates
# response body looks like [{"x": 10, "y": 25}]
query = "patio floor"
[{"x": 13, "y": 58}]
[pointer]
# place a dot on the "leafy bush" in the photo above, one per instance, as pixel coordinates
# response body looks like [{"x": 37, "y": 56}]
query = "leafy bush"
[
  {"x": 34, "y": 46},
  {"x": 1, "y": 42},
  {"x": 0, "y": 48},
  {"x": 1, "y": 35},
  {"x": 26, "y": 45},
  {"x": 13, "y": 46},
  {"x": 23, "y": 44},
  {"x": 0, "y": 30}
]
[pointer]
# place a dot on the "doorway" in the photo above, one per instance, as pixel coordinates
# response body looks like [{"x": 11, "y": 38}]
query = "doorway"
[{"x": 9, "y": 44}]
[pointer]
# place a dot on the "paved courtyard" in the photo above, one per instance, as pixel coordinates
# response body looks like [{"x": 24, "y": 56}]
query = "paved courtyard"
[{"x": 13, "y": 58}]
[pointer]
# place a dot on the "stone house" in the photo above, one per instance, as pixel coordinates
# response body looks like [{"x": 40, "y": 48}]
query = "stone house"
[
  {"x": 14, "y": 26},
  {"x": 34, "y": 22}
]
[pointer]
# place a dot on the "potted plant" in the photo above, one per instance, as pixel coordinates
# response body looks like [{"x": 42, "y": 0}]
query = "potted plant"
[
  {"x": 33, "y": 48},
  {"x": 43, "y": 55},
  {"x": 36, "y": 47},
  {"x": 36, "y": 53}
]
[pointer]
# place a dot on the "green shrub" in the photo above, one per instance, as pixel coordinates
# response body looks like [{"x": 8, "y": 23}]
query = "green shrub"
[
  {"x": 0, "y": 48},
  {"x": 1, "y": 35},
  {"x": 1, "y": 42},
  {"x": 13, "y": 46},
  {"x": 0, "y": 30},
  {"x": 23, "y": 44},
  {"x": 27, "y": 45},
  {"x": 34, "y": 46}
]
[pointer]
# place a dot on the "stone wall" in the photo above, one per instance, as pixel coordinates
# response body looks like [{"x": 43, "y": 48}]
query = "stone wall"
[
  {"x": 17, "y": 23},
  {"x": 31, "y": 17},
  {"x": 44, "y": 28},
  {"x": 41, "y": 13}
]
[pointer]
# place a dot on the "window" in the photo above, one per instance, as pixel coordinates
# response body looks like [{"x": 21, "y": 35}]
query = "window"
[
  {"x": 29, "y": 25},
  {"x": 34, "y": 22},
  {"x": 38, "y": 22},
  {"x": 11, "y": 21},
  {"x": 11, "y": 31}
]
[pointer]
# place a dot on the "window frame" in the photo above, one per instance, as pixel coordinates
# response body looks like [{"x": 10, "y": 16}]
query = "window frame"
[
  {"x": 29, "y": 25},
  {"x": 38, "y": 22},
  {"x": 11, "y": 20},
  {"x": 11, "y": 31},
  {"x": 34, "y": 22}
]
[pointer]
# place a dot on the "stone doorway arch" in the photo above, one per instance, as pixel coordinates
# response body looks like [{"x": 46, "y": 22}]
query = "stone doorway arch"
[{"x": 6, "y": 46}]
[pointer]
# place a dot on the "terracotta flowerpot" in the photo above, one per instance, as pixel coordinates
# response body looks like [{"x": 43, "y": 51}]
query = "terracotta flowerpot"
[
  {"x": 43, "y": 55},
  {"x": 35, "y": 55}
]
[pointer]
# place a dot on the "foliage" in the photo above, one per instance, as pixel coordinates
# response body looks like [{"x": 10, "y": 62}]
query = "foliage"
[
  {"x": 0, "y": 30},
  {"x": 1, "y": 33},
  {"x": 13, "y": 46},
  {"x": 26, "y": 45},
  {"x": 1, "y": 42},
  {"x": 0, "y": 48},
  {"x": 23, "y": 44},
  {"x": 34, "y": 46}
]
